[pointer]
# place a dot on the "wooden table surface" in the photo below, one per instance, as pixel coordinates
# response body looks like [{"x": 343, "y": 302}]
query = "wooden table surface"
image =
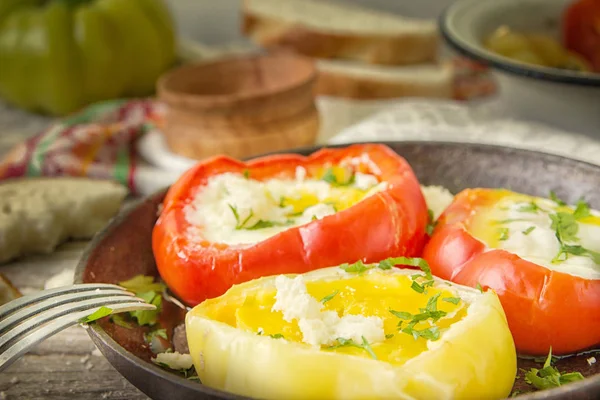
[{"x": 67, "y": 365}]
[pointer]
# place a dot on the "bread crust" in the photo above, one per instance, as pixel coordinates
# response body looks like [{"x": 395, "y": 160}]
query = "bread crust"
[
  {"x": 374, "y": 49},
  {"x": 336, "y": 84}
]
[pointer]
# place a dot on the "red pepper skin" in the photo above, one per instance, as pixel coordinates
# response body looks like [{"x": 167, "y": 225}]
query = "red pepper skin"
[
  {"x": 389, "y": 223},
  {"x": 544, "y": 308}
]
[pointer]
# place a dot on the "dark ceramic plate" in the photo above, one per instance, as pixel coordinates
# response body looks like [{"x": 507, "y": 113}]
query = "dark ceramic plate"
[{"x": 123, "y": 250}]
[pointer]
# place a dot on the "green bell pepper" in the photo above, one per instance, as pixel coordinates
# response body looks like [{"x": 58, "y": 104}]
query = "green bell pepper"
[{"x": 59, "y": 55}]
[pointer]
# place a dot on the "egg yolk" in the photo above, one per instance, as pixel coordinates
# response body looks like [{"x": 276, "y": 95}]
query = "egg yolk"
[{"x": 365, "y": 295}]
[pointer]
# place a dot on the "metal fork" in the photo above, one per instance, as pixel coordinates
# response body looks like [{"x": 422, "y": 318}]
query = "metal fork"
[{"x": 28, "y": 320}]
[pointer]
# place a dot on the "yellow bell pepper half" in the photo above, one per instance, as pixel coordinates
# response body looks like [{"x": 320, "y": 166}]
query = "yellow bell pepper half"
[
  {"x": 59, "y": 55},
  {"x": 353, "y": 333}
]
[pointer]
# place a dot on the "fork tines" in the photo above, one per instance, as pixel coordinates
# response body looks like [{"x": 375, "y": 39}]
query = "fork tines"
[{"x": 30, "y": 319}]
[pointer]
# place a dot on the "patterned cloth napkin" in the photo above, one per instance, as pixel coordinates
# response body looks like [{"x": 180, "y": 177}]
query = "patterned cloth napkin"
[{"x": 98, "y": 143}]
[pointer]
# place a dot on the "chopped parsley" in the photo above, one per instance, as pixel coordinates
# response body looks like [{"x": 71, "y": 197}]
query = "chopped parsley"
[
  {"x": 357, "y": 267},
  {"x": 146, "y": 289},
  {"x": 479, "y": 287},
  {"x": 453, "y": 300},
  {"x": 531, "y": 207},
  {"x": 582, "y": 210},
  {"x": 430, "y": 312},
  {"x": 555, "y": 199},
  {"x": 342, "y": 342},
  {"x": 96, "y": 315},
  {"x": 161, "y": 333},
  {"x": 549, "y": 376},
  {"x": 277, "y": 336},
  {"x": 503, "y": 234},
  {"x": 118, "y": 319},
  {"x": 330, "y": 177},
  {"x": 247, "y": 173},
  {"x": 430, "y": 222},
  {"x": 148, "y": 317},
  {"x": 260, "y": 224},
  {"x": 432, "y": 333},
  {"x": 142, "y": 283},
  {"x": 566, "y": 228},
  {"x": 389, "y": 335},
  {"x": 528, "y": 230},
  {"x": 329, "y": 296}
]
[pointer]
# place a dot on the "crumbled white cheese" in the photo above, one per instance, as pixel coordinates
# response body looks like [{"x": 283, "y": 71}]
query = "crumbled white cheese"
[
  {"x": 300, "y": 173},
  {"x": 438, "y": 198},
  {"x": 365, "y": 181},
  {"x": 591, "y": 360},
  {"x": 176, "y": 361},
  {"x": 321, "y": 327}
]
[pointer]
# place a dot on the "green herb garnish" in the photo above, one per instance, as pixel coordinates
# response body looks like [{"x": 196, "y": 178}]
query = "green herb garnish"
[
  {"x": 148, "y": 317},
  {"x": 503, "y": 234},
  {"x": 549, "y": 376},
  {"x": 432, "y": 333},
  {"x": 260, "y": 224},
  {"x": 161, "y": 333},
  {"x": 96, "y": 315},
  {"x": 389, "y": 335},
  {"x": 329, "y": 296},
  {"x": 479, "y": 287},
  {"x": 555, "y": 199},
  {"x": 566, "y": 228},
  {"x": 118, "y": 319},
  {"x": 357, "y": 267},
  {"x": 277, "y": 336},
  {"x": 453, "y": 300},
  {"x": 529, "y": 207},
  {"x": 247, "y": 173},
  {"x": 528, "y": 230},
  {"x": 341, "y": 342},
  {"x": 143, "y": 283},
  {"x": 430, "y": 222},
  {"x": 429, "y": 312},
  {"x": 582, "y": 210},
  {"x": 329, "y": 177},
  {"x": 146, "y": 289}
]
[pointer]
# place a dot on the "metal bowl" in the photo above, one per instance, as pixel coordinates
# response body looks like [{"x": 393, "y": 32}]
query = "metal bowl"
[{"x": 123, "y": 249}]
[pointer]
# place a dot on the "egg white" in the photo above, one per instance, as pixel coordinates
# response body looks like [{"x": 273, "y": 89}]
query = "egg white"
[{"x": 211, "y": 211}]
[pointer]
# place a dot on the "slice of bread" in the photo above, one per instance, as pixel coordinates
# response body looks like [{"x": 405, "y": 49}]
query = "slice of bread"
[
  {"x": 369, "y": 82},
  {"x": 324, "y": 29},
  {"x": 37, "y": 214}
]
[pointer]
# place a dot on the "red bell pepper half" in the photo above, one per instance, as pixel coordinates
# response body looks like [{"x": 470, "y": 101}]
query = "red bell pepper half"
[
  {"x": 388, "y": 223},
  {"x": 544, "y": 307}
]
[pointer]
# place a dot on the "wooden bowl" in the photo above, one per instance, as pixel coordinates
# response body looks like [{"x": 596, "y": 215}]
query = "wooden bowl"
[{"x": 240, "y": 106}]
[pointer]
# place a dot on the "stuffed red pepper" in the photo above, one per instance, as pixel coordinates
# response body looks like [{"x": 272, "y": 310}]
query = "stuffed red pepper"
[
  {"x": 541, "y": 256},
  {"x": 226, "y": 221}
]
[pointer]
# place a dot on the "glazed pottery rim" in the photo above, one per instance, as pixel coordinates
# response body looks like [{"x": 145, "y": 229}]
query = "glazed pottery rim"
[
  {"x": 476, "y": 51},
  {"x": 178, "y": 98},
  {"x": 96, "y": 332}
]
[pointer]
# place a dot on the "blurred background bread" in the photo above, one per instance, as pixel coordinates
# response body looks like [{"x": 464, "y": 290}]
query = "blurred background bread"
[
  {"x": 326, "y": 29},
  {"x": 36, "y": 215},
  {"x": 370, "y": 82},
  {"x": 362, "y": 53}
]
